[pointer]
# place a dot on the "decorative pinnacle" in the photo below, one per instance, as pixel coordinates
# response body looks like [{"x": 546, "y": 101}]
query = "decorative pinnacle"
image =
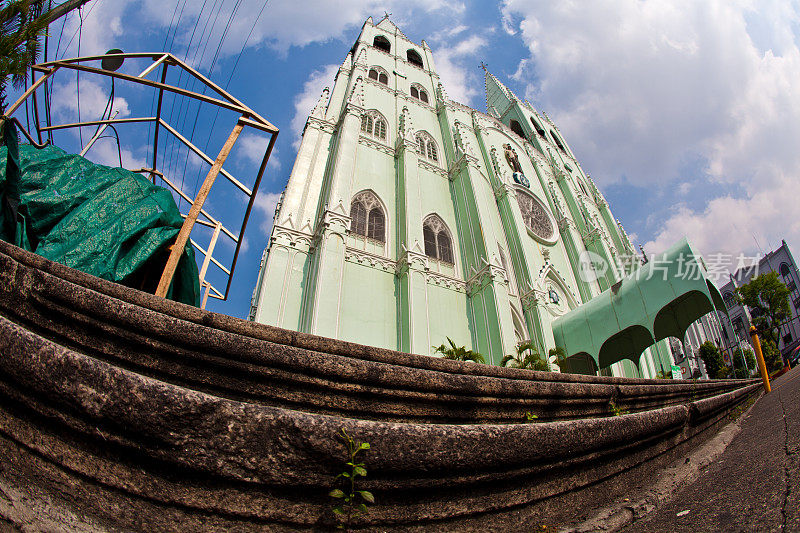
[
  {"x": 322, "y": 103},
  {"x": 357, "y": 95}
]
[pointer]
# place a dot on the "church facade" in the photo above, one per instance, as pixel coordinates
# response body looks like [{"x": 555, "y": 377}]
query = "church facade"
[{"x": 409, "y": 218}]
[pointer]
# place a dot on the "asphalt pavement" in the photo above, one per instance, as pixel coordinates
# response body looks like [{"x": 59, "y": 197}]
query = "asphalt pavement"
[{"x": 754, "y": 485}]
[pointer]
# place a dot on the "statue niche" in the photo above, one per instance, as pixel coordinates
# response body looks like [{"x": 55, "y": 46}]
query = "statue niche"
[{"x": 513, "y": 161}]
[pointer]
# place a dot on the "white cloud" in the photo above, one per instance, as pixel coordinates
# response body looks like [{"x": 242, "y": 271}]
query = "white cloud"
[
  {"x": 96, "y": 27},
  {"x": 640, "y": 88},
  {"x": 284, "y": 23},
  {"x": 305, "y": 101},
  {"x": 93, "y": 101},
  {"x": 457, "y": 68},
  {"x": 266, "y": 203},
  {"x": 104, "y": 152},
  {"x": 253, "y": 146}
]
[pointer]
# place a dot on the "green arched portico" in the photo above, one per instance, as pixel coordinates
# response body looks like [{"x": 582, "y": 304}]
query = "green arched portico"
[
  {"x": 661, "y": 299},
  {"x": 580, "y": 363},
  {"x": 631, "y": 342}
]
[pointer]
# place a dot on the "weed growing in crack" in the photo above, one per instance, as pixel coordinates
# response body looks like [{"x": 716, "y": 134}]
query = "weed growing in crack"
[{"x": 350, "y": 503}]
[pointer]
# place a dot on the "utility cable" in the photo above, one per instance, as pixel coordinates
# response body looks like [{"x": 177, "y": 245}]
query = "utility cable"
[{"x": 78, "y": 73}]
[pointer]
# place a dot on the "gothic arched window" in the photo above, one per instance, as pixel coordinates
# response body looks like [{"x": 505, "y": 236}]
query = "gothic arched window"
[
  {"x": 437, "y": 239},
  {"x": 368, "y": 219},
  {"x": 537, "y": 127},
  {"x": 382, "y": 43},
  {"x": 535, "y": 216},
  {"x": 516, "y": 128},
  {"x": 414, "y": 58},
  {"x": 582, "y": 187},
  {"x": 419, "y": 93},
  {"x": 730, "y": 301},
  {"x": 785, "y": 272},
  {"x": 558, "y": 142},
  {"x": 379, "y": 75},
  {"x": 426, "y": 146},
  {"x": 374, "y": 125}
]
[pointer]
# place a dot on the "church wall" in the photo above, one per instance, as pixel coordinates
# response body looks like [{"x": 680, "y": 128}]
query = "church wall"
[
  {"x": 376, "y": 171},
  {"x": 389, "y": 294},
  {"x": 368, "y": 313},
  {"x": 448, "y": 316}
]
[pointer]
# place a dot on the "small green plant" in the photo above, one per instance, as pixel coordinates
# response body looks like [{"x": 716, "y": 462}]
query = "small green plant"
[
  {"x": 556, "y": 355},
  {"x": 458, "y": 353},
  {"x": 530, "y": 417},
  {"x": 527, "y": 356},
  {"x": 351, "y": 502},
  {"x": 616, "y": 409}
]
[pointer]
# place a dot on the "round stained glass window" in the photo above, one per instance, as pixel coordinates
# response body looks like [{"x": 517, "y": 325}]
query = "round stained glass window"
[{"x": 535, "y": 216}]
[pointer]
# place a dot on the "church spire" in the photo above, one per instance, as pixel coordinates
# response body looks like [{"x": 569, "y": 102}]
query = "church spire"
[{"x": 498, "y": 96}]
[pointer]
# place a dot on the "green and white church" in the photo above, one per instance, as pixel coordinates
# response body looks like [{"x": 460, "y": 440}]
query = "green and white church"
[{"x": 409, "y": 218}]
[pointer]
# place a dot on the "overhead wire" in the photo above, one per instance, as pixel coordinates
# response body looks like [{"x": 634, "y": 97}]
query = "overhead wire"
[
  {"x": 230, "y": 77},
  {"x": 78, "y": 73},
  {"x": 153, "y": 97},
  {"x": 49, "y": 83},
  {"x": 185, "y": 103},
  {"x": 168, "y": 141},
  {"x": 195, "y": 60},
  {"x": 210, "y": 72}
]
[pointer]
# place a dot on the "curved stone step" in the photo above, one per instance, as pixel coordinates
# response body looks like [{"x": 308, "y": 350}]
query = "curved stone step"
[{"x": 119, "y": 410}]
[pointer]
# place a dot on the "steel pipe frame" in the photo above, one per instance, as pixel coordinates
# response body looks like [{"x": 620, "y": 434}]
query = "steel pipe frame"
[{"x": 247, "y": 117}]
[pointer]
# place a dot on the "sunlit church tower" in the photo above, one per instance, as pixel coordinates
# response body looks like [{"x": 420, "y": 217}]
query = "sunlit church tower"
[{"x": 409, "y": 218}]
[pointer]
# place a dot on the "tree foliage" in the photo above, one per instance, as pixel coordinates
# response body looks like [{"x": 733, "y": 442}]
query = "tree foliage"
[
  {"x": 556, "y": 355},
  {"x": 768, "y": 300},
  {"x": 772, "y": 355},
  {"x": 715, "y": 365},
  {"x": 20, "y": 28},
  {"x": 458, "y": 353},
  {"x": 739, "y": 359},
  {"x": 22, "y": 22},
  {"x": 527, "y": 356}
]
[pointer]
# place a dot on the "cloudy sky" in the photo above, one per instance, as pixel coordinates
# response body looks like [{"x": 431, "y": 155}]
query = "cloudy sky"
[{"x": 686, "y": 114}]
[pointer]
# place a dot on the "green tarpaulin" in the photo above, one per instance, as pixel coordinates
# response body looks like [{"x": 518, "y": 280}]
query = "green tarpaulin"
[{"x": 105, "y": 221}]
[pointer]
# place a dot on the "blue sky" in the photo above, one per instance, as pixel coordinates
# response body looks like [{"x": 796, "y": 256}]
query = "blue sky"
[{"x": 686, "y": 114}]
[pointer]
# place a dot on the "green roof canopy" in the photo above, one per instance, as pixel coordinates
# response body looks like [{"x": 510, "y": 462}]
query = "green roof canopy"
[{"x": 659, "y": 300}]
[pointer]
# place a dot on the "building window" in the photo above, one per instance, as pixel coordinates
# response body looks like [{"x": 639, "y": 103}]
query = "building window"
[
  {"x": 426, "y": 147},
  {"x": 738, "y": 325},
  {"x": 374, "y": 125},
  {"x": 537, "y": 127},
  {"x": 382, "y": 43},
  {"x": 437, "y": 239},
  {"x": 797, "y": 303},
  {"x": 730, "y": 301},
  {"x": 787, "y": 339},
  {"x": 516, "y": 128},
  {"x": 785, "y": 272},
  {"x": 558, "y": 142},
  {"x": 791, "y": 286},
  {"x": 414, "y": 58},
  {"x": 535, "y": 216},
  {"x": 378, "y": 75},
  {"x": 367, "y": 216},
  {"x": 419, "y": 93}
]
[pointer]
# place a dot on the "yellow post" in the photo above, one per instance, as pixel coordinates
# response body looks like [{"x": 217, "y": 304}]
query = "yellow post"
[{"x": 762, "y": 366}]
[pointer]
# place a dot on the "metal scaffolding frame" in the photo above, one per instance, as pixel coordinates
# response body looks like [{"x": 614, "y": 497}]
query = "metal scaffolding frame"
[{"x": 221, "y": 99}]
